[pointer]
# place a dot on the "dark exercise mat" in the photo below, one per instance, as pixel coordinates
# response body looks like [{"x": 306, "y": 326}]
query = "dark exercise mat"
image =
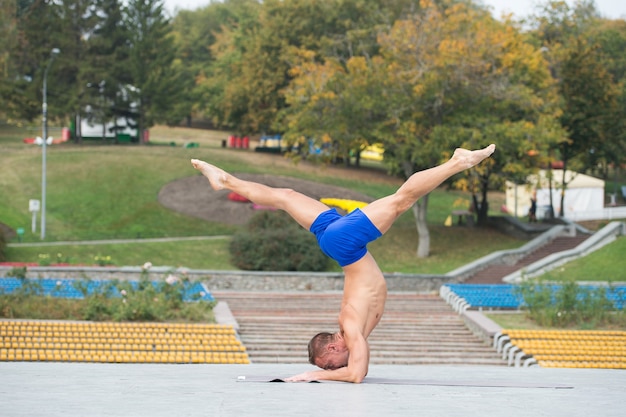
[{"x": 433, "y": 382}]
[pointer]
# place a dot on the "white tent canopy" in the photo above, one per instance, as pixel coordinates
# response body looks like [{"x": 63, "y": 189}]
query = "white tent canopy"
[{"x": 583, "y": 193}]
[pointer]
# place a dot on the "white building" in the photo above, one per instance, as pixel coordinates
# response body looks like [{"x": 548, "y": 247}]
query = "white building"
[{"x": 584, "y": 196}]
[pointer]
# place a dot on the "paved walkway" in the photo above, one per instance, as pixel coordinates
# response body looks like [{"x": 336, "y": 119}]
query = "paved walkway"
[
  {"x": 115, "y": 241},
  {"x": 80, "y": 389}
]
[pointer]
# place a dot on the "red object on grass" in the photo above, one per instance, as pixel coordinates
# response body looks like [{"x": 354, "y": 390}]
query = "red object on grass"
[{"x": 236, "y": 197}]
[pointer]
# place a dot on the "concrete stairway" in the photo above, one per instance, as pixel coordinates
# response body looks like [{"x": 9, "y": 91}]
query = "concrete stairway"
[
  {"x": 276, "y": 327},
  {"x": 493, "y": 274}
]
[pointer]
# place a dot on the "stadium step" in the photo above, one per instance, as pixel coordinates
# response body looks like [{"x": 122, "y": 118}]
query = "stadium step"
[
  {"x": 415, "y": 329},
  {"x": 493, "y": 274}
]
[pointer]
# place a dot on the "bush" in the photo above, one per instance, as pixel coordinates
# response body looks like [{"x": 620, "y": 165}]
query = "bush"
[
  {"x": 17, "y": 272},
  {"x": 122, "y": 301},
  {"x": 115, "y": 300},
  {"x": 567, "y": 303},
  {"x": 272, "y": 241}
]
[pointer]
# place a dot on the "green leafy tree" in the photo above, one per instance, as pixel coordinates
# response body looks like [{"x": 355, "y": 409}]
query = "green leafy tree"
[
  {"x": 445, "y": 77},
  {"x": 245, "y": 86},
  {"x": 220, "y": 87},
  {"x": 103, "y": 81},
  {"x": 194, "y": 32},
  {"x": 589, "y": 93},
  {"x": 29, "y": 51},
  {"x": 332, "y": 102},
  {"x": 590, "y": 106},
  {"x": 157, "y": 77},
  {"x": 610, "y": 35},
  {"x": 456, "y": 77},
  {"x": 8, "y": 32},
  {"x": 42, "y": 26},
  {"x": 77, "y": 19}
]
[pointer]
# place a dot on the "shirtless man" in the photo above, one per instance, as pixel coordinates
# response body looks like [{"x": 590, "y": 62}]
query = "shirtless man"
[{"x": 344, "y": 356}]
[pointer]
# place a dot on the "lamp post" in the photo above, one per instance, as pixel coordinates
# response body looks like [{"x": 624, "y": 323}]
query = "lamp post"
[{"x": 53, "y": 53}]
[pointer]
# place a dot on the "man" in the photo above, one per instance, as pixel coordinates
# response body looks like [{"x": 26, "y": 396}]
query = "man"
[
  {"x": 344, "y": 356},
  {"x": 532, "y": 212}
]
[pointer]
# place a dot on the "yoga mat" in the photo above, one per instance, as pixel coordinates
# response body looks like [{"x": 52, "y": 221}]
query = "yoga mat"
[{"x": 431, "y": 382}]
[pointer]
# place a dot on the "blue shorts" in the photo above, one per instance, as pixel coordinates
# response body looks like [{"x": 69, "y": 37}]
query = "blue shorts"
[{"x": 344, "y": 238}]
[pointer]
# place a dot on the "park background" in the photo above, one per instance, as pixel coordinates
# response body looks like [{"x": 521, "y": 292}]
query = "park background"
[{"x": 332, "y": 78}]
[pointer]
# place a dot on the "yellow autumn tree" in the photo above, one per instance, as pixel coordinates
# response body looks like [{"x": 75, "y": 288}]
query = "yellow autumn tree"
[
  {"x": 447, "y": 76},
  {"x": 333, "y": 100},
  {"x": 457, "y": 77}
]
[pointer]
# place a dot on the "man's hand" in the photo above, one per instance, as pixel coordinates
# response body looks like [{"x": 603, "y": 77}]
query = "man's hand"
[{"x": 303, "y": 377}]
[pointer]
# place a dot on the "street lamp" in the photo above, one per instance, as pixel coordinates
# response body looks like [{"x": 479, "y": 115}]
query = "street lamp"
[{"x": 53, "y": 53}]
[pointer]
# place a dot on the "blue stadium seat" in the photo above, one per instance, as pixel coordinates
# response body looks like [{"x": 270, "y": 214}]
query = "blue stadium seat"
[
  {"x": 70, "y": 288},
  {"x": 506, "y": 296}
]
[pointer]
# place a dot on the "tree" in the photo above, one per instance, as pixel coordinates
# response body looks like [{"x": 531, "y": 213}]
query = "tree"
[
  {"x": 590, "y": 96},
  {"x": 72, "y": 21},
  {"x": 332, "y": 102},
  {"x": 104, "y": 80},
  {"x": 220, "y": 88},
  {"x": 255, "y": 54},
  {"x": 8, "y": 38},
  {"x": 194, "y": 33},
  {"x": 610, "y": 35},
  {"x": 29, "y": 49},
  {"x": 445, "y": 77},
  {"x": 157, "y": 77},
  {"x": 590, "y": 107},
  {"x": 456, "y": 77},
  {"x": 8, "y": 32}
]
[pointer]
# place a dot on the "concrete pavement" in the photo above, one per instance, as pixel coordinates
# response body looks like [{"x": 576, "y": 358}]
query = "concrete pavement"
[{"x": 81, "y": 389}]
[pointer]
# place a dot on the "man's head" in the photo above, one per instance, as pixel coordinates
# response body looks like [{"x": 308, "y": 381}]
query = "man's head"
[{"x": 328, "y": 351}]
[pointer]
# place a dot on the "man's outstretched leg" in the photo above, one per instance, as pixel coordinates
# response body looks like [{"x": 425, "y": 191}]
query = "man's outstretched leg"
[
  {"x": 303, "y": 209},
  {"x": 385, "y": 211}
]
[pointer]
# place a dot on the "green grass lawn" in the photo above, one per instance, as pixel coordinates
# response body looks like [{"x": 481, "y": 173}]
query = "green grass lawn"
[
  {"x": 204, "y": 254},
  {"x": 520, "y": 320},
  {"x": 606, "y": 264}
]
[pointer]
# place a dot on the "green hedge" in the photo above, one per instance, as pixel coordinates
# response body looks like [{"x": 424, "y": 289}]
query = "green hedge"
[{"x": 272, "y": 241}]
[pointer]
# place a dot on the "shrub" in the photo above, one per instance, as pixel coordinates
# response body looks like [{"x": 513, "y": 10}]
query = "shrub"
[
  {"x": 566, "y": 303},
  {"x": 112, "y": 300},
  {"x": 271, "y": 220},
  {"x": 17, "y": 272},
  {"x": 272, "y": 241},
  {"x": 145, "y": 301}
]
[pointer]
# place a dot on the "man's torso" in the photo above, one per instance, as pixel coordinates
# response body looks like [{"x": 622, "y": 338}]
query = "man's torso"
[{"x": 365, "y": 291}]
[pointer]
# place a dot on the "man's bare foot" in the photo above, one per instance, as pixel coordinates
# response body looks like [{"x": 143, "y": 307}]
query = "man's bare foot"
[
  {"x": 216, "y": 176},
  {"x": 468, "y": 158}
]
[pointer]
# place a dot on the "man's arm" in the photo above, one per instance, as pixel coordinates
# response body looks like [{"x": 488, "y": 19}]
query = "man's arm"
[{"x": 358, "y": 361}]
